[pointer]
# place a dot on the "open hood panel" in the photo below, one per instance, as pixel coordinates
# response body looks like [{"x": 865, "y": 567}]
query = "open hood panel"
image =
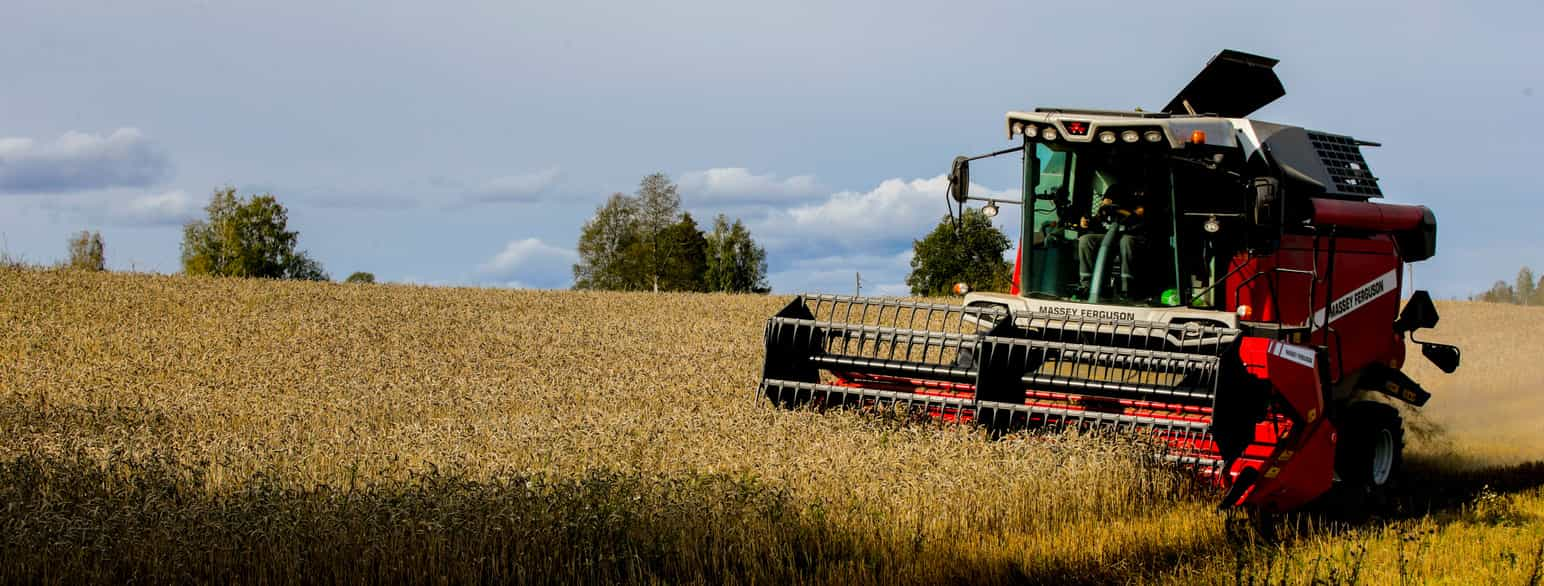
[{"x": 1232, "y": 85}]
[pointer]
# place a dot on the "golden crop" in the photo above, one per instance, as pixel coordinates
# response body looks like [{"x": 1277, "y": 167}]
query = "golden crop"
[{"x": 173, "y": 428}]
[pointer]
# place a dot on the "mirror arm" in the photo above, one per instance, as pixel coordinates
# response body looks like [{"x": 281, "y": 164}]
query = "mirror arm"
[
  {"x": 993, "y": 200},
  {"x": 994, "y": 154},
  {"x": 959, "y": 176}
]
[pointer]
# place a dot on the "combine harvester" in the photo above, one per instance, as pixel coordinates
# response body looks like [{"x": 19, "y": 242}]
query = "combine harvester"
[{"x": 1243, "y": 304}]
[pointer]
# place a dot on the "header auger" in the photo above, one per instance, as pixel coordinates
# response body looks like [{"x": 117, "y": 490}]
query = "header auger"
[{"x": 1224, "y": 284}]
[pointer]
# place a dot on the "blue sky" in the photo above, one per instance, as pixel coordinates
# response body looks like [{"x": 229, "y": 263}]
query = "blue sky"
[{"x": 466, "y": 142}]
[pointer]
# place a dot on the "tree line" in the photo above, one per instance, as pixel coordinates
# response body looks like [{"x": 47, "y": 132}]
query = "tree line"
[
  {"x": 642, "y": 242},
  {"x": 645, "y": 242},
  {"x": 638, "y": 242},
  {"x": 1524, "y": 290}
]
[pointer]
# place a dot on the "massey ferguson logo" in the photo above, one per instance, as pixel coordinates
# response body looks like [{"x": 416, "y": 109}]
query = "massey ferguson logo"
[
  {"x": 1085, "y": 312},
  {"x": 1356, "y": 299},
  {"x": 1298, "y": 354},
  {"x": 1352, "y": 301}
]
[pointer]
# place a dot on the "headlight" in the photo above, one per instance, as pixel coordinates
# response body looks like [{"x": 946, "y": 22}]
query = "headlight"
[
  {"x": 1107, "y": 137},
  {"x": 1153, "y": 136},
  {"x": 1048, "y": 133},
  {"x": 1129, "y": 136},
  {"x": 1018, "y": 128}
]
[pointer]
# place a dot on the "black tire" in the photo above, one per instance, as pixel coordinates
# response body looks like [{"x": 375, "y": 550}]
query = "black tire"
[{"x": 1368, "y": 460}]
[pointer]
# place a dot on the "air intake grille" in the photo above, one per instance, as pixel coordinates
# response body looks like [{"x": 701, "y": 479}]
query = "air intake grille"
[{"x": 1342, "y": 158}]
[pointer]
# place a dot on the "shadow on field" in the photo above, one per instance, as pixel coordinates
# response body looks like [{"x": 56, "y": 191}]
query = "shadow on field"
[
  {"x": 1436, "y": 484},
  {"x": 1445, "y": 489},
  {"x": 77, "y": 520},
  {"x": 73, "y": 519},
  {"x": 1319, "y": 547}
]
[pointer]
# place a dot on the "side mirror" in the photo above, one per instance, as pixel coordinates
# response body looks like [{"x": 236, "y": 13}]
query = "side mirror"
[
  {"x": 1264, "y": 215},
  {"x": 1419, "y": 313},
  {"x": 959, "y": 179},
  {"x": 1444, "y": 356}
]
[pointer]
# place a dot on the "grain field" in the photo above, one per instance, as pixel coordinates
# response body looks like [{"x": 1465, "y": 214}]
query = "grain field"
[{"x": 157, "y": 428}]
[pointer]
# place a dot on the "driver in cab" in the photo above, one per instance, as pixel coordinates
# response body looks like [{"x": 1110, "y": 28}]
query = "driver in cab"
[{"x": 1126, "y": 207}]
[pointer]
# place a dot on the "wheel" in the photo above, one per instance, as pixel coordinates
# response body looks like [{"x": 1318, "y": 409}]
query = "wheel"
[{"x": 1368, "y": 456}]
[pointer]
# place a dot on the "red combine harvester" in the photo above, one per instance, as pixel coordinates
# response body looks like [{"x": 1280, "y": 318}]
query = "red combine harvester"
[{"x": 1229, "y": 285}]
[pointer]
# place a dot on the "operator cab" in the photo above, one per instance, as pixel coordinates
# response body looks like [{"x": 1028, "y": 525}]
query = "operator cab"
[
  {"x": 1146, "y": 216},
  {"x": 1125, "y": 219},
  {"x": 1127, "y": 209}
]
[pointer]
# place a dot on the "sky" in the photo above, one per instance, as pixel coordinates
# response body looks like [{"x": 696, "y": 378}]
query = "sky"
[{"x": 467, "y": 142}]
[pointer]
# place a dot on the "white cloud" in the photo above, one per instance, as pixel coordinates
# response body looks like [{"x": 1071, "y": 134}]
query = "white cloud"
[
  {"x": 80, "y": 161},
  {"x": 738, "y": 185},
  {"x": 819, "y": 245},
  {"x": 145, "y": 209},
  {"x": 529, "y": 263},
  {"x": 171, "y": 207},
  {"x": 896, "y": 211},
  {"x": 516, "y": 188}
]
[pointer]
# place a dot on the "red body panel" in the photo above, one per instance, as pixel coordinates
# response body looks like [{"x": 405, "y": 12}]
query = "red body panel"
[
  {"x": 1345, "y": 289},
  {"x": 1361, "y": 215},
  {"x": 1018, "y": 264},
  {"x": 1294, "y": 449}
]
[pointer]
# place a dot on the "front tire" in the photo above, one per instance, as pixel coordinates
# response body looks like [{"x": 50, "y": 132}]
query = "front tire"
[{"x": 1368, "y": 457}]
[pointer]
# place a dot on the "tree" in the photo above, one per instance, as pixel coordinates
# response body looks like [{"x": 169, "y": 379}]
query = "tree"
[
  {"x": 686, "y": 263},
  {"x": 1498, "y": 293},
  {"x": 973, "y": 256},
  {"x": 87, "y": 252},
  {"x": 734, "y": 263},
  {"x": 642, "y": 242},
  {"x": 719, "y": 274},
  {"x": 245, "y": 237},
  {"x": 659, "y": 204},
  {"x": 750, "y": 262},
  {"x": 1526, "y": 291},
  {"x": 361, "y": 277},
  {"x": 609, "y": 247}
]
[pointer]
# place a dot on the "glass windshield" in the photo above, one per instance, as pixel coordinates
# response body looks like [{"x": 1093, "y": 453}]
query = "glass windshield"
[{"x": 1101, "y": 226}]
